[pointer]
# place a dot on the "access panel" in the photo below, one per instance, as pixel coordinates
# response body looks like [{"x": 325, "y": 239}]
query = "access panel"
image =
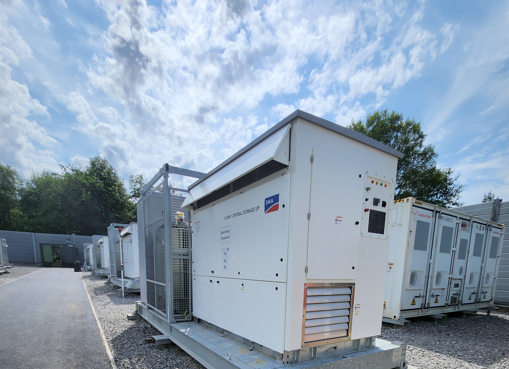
[
  {"x": 490, "y": 264},
  {"x": 335, "y": 215},
  {"x": 445, "y": 233},
  {"x": 475, "y": 254},
  {"x": 420, "y": 237}
]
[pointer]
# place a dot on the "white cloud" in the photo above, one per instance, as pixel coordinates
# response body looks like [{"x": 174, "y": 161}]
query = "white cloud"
[
  {"x": 448, "y": 31},
  {"x": 24, "y": 143},
  {"x": 281, "y": 111}
]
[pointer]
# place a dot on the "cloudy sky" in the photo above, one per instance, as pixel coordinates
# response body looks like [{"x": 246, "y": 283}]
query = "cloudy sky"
[{"x": 191, "y": 82}]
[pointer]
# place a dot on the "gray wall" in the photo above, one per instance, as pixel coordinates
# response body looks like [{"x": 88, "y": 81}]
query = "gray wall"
[
  {"x": 25, "y": 247},
  {"x": 484, "y": 211}
]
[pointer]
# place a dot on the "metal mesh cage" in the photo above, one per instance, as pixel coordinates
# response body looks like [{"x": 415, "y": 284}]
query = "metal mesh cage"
[{"x": 167, "y": 246}]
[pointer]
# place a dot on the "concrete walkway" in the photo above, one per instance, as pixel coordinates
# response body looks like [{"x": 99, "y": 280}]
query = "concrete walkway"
[{"x": 46, "y": 321}]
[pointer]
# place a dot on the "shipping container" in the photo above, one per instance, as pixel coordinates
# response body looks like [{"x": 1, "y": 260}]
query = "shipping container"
[{"x": 440, "y": 261}]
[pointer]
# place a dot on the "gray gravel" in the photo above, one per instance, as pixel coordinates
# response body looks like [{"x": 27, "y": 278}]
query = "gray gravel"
[
  {"x": 477, "y": 341},
  {"x": 126, "y": 338},
  {"x": 17, "y": 271}
]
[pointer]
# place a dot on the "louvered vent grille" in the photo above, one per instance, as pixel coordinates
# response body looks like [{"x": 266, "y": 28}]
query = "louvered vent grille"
[{"x": 327, "y": 313}]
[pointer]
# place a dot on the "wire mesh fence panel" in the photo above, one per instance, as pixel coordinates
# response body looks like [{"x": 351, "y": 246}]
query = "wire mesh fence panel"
[
  {"x": 151, "y": 294},
  {"x": 149, "y": 252},
  {"x": 161, "y": 298},
  {"x": 181, "y": 287},
  {"x": 160, "y": 253}
]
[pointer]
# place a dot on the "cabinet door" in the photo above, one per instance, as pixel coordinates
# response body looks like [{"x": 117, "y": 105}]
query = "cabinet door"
[
  {"x": 335, "y": 208},
  {"x": 416, "y": 275}
]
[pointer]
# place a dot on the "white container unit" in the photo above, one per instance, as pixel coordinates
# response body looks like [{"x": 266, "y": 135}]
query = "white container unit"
[
  {"x": 4, "y": 258},
  {"x": 129, "y": 259},
  {"x": 439, "y": 261},
  {"x": 114, "y": 249},
  {"x": 291, "y": 237},
  {"x": 89, "y": 255},
  {"x": 104, "y": 268}
]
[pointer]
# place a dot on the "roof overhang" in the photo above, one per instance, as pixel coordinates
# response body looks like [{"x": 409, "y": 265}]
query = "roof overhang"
[{"x": 275, "y": 147}]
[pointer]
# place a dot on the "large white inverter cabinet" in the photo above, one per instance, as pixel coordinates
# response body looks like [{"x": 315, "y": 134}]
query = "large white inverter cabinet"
[
  {"x": 440, "y": 261},
  {"x": 290, "y": 236}
]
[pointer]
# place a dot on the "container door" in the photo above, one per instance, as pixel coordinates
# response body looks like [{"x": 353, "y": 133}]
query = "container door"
[
  {"x": 459, "y": 262},
  {"x": 438, "y": 281},
  {"x": 335, "y": 212},
  {"x": 47, "y": 254},
  {"x": 490, "y": 264},
  {"x": 414, "y": 287},
  {"x": 471, "y": 285}
]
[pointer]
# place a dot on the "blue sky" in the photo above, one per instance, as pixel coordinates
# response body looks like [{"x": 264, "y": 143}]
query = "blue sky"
[{"x": 191, "y": 82}]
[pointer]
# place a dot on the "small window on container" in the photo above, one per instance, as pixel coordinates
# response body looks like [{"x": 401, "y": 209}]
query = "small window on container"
[
  {"x": 494, "y": 247},
  {"x": 421, "y": 236}
]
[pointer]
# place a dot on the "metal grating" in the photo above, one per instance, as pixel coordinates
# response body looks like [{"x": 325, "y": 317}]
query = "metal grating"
[
  {"x": 151, "y": 294},
  {"x": 181, "y": 288},
  {"x": 180, "y": 233},
  {"x": 149, "y": 252},
  {"x": 154, "y": 208},
  {"x": 159, "y": 253},
  {"x": 327, "y": 313},
  {"x": 160, "y": 298}
]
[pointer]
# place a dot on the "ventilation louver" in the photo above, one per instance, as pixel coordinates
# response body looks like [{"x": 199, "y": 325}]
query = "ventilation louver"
[{"x": 327, "y": 313}]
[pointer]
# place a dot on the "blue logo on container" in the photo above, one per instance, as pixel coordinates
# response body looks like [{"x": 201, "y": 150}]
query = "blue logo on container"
[{"x": 272, "y": 204}]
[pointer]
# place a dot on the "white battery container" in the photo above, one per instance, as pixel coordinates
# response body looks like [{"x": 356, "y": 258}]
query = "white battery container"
[
  {"x": 440, "y": 261},
  {"x": 130, "y": 251}
]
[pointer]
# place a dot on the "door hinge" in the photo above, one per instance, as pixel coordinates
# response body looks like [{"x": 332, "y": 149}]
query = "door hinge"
[
  {"x": 312, "y": 158},
  {"x": 306, "y": 269},
  {"x": 309, "y": 215}
]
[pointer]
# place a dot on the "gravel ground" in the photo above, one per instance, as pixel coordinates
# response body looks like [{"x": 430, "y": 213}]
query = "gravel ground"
[
  {"x": 477, "y": 341},
  {"x": 126, "y": 338},
  {"x": 17, "y": 271}
]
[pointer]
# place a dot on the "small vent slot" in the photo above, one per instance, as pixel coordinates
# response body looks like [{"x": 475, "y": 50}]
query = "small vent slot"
[{"x": 327, "y": 313}]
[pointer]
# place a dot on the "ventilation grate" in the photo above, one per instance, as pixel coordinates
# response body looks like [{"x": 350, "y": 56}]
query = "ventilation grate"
[{"x": 327, "y": 313}]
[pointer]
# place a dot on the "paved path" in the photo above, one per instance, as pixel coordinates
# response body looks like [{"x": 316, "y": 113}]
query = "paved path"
[{"x": 46, "y": 321}]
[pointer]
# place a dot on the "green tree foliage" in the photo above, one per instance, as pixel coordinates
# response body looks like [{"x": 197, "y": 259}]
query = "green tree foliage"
[
  {"x": 418, "y": 174},
  {"x": 81, "y": 201},
  {"x": 136, "y": 184},
  {"x": 10, "y": 184},
  {"x": 489, "y": 197}
]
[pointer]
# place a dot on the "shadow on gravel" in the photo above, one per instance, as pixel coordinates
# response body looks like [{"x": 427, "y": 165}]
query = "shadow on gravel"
[
  {"x": 131, "y": 351},
  {"x": 477, "y": 339},
  {"x": 112, "y": 292}
]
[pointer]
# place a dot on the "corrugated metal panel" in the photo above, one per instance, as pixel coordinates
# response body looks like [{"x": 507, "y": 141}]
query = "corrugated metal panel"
[{"x": 21, "y": 244}]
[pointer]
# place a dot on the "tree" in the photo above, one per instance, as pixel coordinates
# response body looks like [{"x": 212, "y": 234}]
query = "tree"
[
  {"x": 489, "y": 197},
  {"x": 418, "y": 174},
  {"x": 81, "y": 201},
  {"x": 136, "y": 184},
  {"x": 10, "y": 184}
]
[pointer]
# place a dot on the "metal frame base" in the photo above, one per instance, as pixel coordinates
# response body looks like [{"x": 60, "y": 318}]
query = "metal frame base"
[
  {"x": 445, "y": 309},
  {"x": 216, "y": 350},
  {"x": 101, "y": 272},
  {"x": 135, "y": 283},
  {"x": 400, "y": 321}
]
